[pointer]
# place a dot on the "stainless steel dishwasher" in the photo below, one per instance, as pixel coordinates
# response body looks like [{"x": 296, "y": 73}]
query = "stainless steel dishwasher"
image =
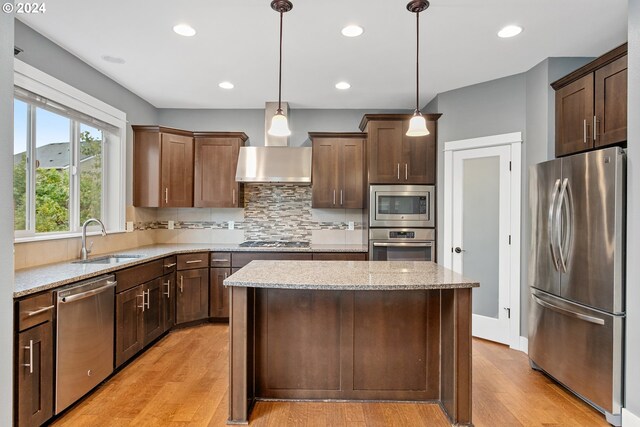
[{"x": 84, "y": 339}]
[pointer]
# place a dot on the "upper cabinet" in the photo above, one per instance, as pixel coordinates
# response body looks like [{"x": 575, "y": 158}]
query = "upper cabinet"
[
  {"x": 394, "y": 157},
  {"x": 178, "y": 168},
  {"x": 591, "y": 104},
  {"x": 216, "y": 160},
  {"x": 338, "y": 170},
  {"x": 162, "y": 167}
]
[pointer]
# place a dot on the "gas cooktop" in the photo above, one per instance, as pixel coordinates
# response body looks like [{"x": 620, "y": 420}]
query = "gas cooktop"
[{"x": 273, "y": 244}]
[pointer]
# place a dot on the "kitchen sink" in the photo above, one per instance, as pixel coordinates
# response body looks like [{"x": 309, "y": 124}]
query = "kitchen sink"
[{"x": 108, "y": 259}]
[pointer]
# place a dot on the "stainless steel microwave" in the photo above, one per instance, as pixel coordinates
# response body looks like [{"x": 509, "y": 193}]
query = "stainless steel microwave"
[{"x": 401, "y": 206}]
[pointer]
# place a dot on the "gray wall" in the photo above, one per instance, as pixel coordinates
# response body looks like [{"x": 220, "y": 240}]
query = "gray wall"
[
  {"x": 632, "y": 376},
  {"x": 251, "y": 121},
  {"x": 6, "y": 213},
  {"x": 50, "y": 58}
]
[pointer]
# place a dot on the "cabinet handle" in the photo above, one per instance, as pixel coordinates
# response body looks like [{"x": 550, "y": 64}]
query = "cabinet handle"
[
  {"x": 334, "y": 197},
  {"x": 30, "y": 364},
  {"x": 141, "y": 306},
  {"x": 584, "y": 132},
  {"x": 148, "y": 298},
  {"x": 233, "y": 197},
  {"x": 406, "y": 171},
  {"x": 40, "y": 310},
  {"x": 595, "y": 130},
  {"x": 166, "y": 195},
  {"x": 340, "y": 197},
  {"x": 194, "y": 261},
  {"x": 398, "y": 171},
  {"x": 168, "y": 285},
  {"x": 173, "y": 264},
  {"x": 181, "y": 283},
  {"x": 226, "y": 275}
]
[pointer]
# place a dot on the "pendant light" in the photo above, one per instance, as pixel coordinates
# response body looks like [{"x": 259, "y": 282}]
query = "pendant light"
[
  {"x": 279, "y": 124},
  {"x": 417, "y": 124}
]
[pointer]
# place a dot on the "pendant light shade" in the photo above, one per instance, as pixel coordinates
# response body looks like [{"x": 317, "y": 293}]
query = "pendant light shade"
[
  {"x": 279, "y": 123},
  {"x": 417, "y": 124}
]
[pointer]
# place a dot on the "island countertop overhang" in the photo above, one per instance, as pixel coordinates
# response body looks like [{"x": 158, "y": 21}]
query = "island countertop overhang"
[{"x": 348, "y": 275}]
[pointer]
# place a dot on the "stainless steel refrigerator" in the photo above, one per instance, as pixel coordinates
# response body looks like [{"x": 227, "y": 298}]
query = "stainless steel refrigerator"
[{"x": 576, "y": 275}]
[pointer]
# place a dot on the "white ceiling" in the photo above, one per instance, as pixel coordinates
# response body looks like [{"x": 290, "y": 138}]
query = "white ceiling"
[{"x": 238, "y": 41}]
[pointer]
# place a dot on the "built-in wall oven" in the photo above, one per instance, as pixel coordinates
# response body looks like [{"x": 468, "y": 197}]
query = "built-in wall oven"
[
  {"x": 401, "y": 206},
  {"x": 401, "y": 244}
]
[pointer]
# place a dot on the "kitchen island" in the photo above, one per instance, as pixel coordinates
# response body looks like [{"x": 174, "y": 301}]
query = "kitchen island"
[{"x": 350, "y": 330}]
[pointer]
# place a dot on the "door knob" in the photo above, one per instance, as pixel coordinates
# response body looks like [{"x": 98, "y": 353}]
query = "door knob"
[{"x": 458, "y": 250}]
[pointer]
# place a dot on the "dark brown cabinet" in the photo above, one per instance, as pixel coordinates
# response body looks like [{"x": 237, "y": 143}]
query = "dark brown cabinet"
[
  {"x": 129, "y": 324},
  {"x": 394, "y": 157},
  {"x": 216, "y": 158},
  {"x": 168, "y": 301},
  {"x": 34, "y": 372},
  {"x": 338, "y": 177},
  {"x": 591, "y": 104},
  {"x": 162, "y": 167},
  {"x": 219, "y": 295},
  {"x": 152, "y": 313},
  {"x": 192, "y": 287}
]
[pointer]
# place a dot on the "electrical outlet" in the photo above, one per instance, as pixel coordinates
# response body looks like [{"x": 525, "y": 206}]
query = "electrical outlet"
[
  {"x": 351, "y": 226},
  {"x": 129, "y": 226},
  {"x": 232, "y": 225},
  {"x": 170, "y": 225}
]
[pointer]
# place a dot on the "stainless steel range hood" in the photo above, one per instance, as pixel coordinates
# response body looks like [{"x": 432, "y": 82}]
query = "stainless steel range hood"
[{"x": 276, "y": 162}]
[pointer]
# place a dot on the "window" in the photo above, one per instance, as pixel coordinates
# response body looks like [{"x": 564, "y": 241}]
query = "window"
[{"x": 68, "y": 164}]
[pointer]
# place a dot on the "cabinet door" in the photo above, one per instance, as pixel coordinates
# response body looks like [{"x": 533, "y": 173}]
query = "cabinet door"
[
  {"x": 177, "y": 171},
  {"x": 168, "y": 301},
  {"x": 611, "y": 103},
  {"x": 152, "y": 310},
  {"x": 418, "y": 164},
  {"x": 215, "y": 173},
  {"x": 34, "y": 373},
  {"x": 192, "y": 300},
  {"x": 351, "y": 173},
  {"x": 324, "y": 173},
  {"x": 574, "y": 116},
  {"x": 129, "y": 324},
  {"x": 219, "y": 295},
  {"x": 385, "y": 151}
]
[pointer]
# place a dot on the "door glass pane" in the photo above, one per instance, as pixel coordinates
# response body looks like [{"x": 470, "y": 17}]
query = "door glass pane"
[
  {"x": 480, "y": 227},
  {"x": 53, "y": 158},
  {"x": 20, "y": 132},
  {"x": 91, "y": 159}
]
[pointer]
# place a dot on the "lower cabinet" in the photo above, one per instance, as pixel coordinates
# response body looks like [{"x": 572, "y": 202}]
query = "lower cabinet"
[
  {"x": 168, "y": 301},
  {"x": 34, "y": 375},
  {"x": 192, "y": 295},
  {"x": 219, "y": 295},
  {"x": 152, "y": 310},
  {"x": 129, "y": 324}
]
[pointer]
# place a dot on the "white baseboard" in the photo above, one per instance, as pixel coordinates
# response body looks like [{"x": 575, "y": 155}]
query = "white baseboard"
[
  {"x": 629, "y": 419},
  {"x": 523, "y": 345}
]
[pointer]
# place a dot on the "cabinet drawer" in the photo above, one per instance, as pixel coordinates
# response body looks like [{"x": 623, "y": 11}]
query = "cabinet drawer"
[
  {"x": 340, "y": 256},
  {"x": 169, "y": 265},
  {"x": 35, "y": 310},
  {"x": 240, "y": 259},
  {"x": 220, "y": 259},
  {"x": 133, "y": 276},
  {"x": 189, "y": 261}
]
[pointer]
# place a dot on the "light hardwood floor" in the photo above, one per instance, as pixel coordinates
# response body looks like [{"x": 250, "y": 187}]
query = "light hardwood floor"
[{"x": 183, "y": 381}]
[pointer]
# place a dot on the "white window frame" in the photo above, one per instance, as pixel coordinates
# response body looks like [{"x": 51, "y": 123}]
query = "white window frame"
[{"x": 113, "y": 207}]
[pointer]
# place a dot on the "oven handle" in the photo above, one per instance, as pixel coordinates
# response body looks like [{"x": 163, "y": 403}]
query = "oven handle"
[{"x": 404, "y": 244}]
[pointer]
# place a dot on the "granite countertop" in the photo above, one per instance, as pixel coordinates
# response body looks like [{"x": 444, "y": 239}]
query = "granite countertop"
[
  {"x": 348, "y": 275},
  {"x": 36, "y": 279}
]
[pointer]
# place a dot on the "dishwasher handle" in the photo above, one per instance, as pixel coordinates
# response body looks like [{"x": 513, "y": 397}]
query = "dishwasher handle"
[{"x": 87, "y": 294}]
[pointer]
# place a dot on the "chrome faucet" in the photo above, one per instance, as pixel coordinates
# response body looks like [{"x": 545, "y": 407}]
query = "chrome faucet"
[{"x": 84, "y": 252}]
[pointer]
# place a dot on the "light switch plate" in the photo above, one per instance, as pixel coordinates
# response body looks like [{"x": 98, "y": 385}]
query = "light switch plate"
[
  {"x": 232, "y": 225},
  {"x": 170, "y": 225},
  {"x": 129, "y": 226},
  {"x": 351, "y": 226}
]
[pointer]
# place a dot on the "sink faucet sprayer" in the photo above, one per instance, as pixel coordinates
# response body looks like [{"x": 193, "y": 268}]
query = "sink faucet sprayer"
[{"x": 84, "y": 252}]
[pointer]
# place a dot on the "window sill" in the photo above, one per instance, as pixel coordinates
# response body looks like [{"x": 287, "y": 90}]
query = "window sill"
[{"x": 61, "y": 236}]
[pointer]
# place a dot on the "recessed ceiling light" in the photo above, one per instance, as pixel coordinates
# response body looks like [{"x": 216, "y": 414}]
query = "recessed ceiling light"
[
  {"x": 226, "y": 85},
  {"x": 113, "y": 59},
  {"x": 184, "y": 30},
  {"x": 509, "y": 31},
  {"x": 343, "y": 85},
  {"x": 352, "y": 31}
]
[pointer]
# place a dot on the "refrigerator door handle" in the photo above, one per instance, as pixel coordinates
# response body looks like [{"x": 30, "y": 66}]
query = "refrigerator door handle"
[
  {"x": 563, "y": 244},
  {"x": 566, "y": 312},
  {"x": 551, "y": 224}
]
